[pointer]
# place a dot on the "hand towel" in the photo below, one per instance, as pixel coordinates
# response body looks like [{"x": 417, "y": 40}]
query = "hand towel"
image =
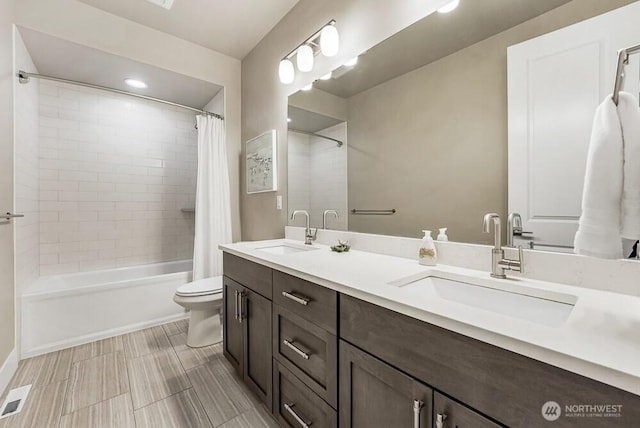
[
  {"x": 629, "y": 114},
  {"x": 599, "y": 227}
]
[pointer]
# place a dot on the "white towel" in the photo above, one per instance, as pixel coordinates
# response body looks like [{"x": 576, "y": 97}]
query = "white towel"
[
  {"x": 599, "y": 227},
  {"x": 629, "y": 114}
]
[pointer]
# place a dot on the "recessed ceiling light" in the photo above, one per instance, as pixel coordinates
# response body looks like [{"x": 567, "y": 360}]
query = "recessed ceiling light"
[
  {"x": 351, "y": 62},
  {"x": 449, "y": 6},
  {"x": 166, "y": 4},
  {"x": 135, "y": 83},
  {"x": 307, "y": 87},
  {"x": 326, "y": 76}
]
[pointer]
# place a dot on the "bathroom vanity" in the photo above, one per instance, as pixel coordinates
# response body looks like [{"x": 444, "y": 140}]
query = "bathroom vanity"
[{"x": 327, "y": 339}]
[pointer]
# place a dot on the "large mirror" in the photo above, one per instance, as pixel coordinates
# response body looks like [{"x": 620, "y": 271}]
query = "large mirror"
[{"x": 486, "y": 109}]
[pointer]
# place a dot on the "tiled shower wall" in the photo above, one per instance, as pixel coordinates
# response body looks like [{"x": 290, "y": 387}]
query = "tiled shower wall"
[
  {"x": 115, "y": 173},
  {"x": 26, "y": 173},
  {"x": 317, "y": 176}
]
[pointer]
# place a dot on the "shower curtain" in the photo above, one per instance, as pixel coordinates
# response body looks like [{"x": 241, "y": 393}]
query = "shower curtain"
[{"x": 213, "y": 210}]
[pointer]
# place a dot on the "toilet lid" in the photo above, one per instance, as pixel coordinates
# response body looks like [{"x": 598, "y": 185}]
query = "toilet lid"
[{"x": 201, "y": 287}]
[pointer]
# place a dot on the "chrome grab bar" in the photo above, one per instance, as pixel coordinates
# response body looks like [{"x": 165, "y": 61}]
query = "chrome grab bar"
[
  {"x": 289, "y": 408},
  {"x": 9, "y": 216},
  {"x": 373, "y": 212},
  {"x": 298, "y": 299},
  {"x": 295, "y": 349}
]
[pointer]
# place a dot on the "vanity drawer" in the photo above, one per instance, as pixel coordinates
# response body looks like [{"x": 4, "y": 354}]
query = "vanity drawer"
[
  {"x": 309, "y": 351},
  {"x": 457, "y": 415},
  {"x": 311, "y": 301},
  {"x": 296, "y": 406},
  {"x": 252, "y": 275}
]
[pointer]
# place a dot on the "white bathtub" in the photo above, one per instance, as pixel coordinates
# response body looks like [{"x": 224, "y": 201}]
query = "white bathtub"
[{"x": 61, "y": 311}]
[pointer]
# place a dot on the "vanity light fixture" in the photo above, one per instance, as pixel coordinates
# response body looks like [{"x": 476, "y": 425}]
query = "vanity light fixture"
[
  {"x": 325, "y": 40},
  {"x": 327, "y": 76},
  {"x": 329, "y": 40},
  {"x": 308, "y": 87},
  {"x": 351, "y": 62},
  {"x": 286, "y": 71},
  {"x": 449, "y": 7},
  {"x": 304, "y": 58},
  {"x": 134, "y": 83}
]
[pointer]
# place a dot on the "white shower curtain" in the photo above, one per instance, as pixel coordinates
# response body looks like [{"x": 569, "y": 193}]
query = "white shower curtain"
[{"x": 213, "y": 210}]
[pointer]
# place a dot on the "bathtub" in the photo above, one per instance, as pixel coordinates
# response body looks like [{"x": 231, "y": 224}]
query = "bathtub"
[{"x": 61, "y": 311}]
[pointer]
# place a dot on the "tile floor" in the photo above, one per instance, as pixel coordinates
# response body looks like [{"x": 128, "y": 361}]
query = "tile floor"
[{"x": 148, "y": 378}]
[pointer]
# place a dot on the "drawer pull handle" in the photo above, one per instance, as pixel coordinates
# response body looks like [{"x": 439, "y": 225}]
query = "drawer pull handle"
[
  {"x": 241, "y": 311},
  {"x": 302, "y": 300},
  {"x": 289, "y": 408},
  {"x": 417, "y": 408},
  {"x": 237, "y": 312},
  {"x": 295, "y": 349},
  {"x": 440, "y": 419}
]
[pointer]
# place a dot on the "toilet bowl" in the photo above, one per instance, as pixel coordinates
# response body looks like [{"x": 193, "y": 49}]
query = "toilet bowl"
[{"x": 203, "y": 298}]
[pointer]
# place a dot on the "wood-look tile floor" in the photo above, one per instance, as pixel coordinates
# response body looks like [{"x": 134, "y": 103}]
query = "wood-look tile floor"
[{"x": 148, "y": 378}]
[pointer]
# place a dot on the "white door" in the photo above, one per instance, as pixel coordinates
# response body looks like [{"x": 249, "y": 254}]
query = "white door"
[{"x": 555, "y": 83}]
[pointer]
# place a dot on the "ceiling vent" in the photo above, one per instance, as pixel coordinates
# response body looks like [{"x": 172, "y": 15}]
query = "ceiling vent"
[{"x": 162, "y": 3}]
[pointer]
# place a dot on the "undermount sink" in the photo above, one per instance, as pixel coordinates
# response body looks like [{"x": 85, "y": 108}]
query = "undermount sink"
[
  {"x": 285, "y": 249},
  {"x": 503, "y": 297}
]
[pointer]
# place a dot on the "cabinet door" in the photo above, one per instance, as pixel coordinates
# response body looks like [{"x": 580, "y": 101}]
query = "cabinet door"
[
  {"x": 374, "y": 394},
  {"x": 256, "y": 321},
  {"x": 232, "y": 328}
]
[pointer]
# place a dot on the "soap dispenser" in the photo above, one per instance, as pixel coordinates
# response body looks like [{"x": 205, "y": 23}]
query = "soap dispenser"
[
  {"x": 427, "y": 254},
  {"x": 442, "y": 236}
]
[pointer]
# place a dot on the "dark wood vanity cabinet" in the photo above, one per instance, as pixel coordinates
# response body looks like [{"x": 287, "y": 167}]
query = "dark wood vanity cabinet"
[
  {"x": 247, "y": 316},
  {"x": 318, "y": 358}
]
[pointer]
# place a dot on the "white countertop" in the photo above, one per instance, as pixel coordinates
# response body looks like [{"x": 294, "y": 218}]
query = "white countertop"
[{"x": 599, "y": 340}]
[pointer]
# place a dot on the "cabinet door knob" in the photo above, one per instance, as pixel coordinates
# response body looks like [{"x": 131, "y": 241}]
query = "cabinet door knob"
[
  {"x": 298, "y": 299},
  {"x": 295, "y": 349},
  {"x": 289, "y": 408},
  {"x": 440, "y": 419},
  {"x": 417, "y": 408}
]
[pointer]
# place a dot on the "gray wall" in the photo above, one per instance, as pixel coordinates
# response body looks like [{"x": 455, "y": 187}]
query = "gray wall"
[
  {"x": 460, "y": 138},
  {"x": 7, "y": 287},
  {"x": 433, "y": 142}
]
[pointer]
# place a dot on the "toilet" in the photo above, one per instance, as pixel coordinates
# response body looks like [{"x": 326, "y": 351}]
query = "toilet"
[{"x": 203, "y": 298}]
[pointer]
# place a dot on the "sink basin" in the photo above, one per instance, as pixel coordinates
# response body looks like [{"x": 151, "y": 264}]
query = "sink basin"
[
  {"x": 285, "y": 249},
  {"x": 499, "y": 296}
]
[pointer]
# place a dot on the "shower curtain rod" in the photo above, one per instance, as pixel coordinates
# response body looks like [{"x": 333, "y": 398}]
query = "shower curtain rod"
[
  {"x": 340, "y": 143},
  {"x": 24, "y": 77}
]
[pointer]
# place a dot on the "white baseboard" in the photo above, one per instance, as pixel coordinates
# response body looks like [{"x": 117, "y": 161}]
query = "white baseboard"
[
  {"x": 81, "y": 340},
  {"x": 8, "y": 369}
]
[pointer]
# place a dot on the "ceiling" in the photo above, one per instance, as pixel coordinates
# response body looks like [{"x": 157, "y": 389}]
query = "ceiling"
[
  {"x": 233, "y": 27},
  {"x": 433, "y": 38},
  {"x": 66, "y": 60},
  {"x": 308, "y": 121}
]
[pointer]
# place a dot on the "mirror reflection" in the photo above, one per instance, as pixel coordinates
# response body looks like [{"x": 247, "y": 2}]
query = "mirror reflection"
[{"x": 486, "y": 109}]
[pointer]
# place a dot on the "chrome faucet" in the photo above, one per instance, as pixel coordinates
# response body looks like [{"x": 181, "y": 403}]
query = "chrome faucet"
[
  {"x": 324, "y": 217},
  {"x": 308, "y": 236},
  {"x": 498, "y": 263},
  {"x": 514, "y": 227}
]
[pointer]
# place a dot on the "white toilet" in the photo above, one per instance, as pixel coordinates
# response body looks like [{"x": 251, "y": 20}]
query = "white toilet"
[{"x": 204, "y": 299}]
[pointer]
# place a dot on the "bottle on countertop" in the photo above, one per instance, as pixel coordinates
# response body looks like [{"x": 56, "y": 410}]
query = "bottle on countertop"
[
  {"x": 427, "y": 254},
  {"x": 442, "y": 236}
]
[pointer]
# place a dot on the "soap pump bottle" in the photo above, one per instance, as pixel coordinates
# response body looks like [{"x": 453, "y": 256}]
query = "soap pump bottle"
[
  {"x": 442, "y": 236},
  {"x": 427, "y": 254}
]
